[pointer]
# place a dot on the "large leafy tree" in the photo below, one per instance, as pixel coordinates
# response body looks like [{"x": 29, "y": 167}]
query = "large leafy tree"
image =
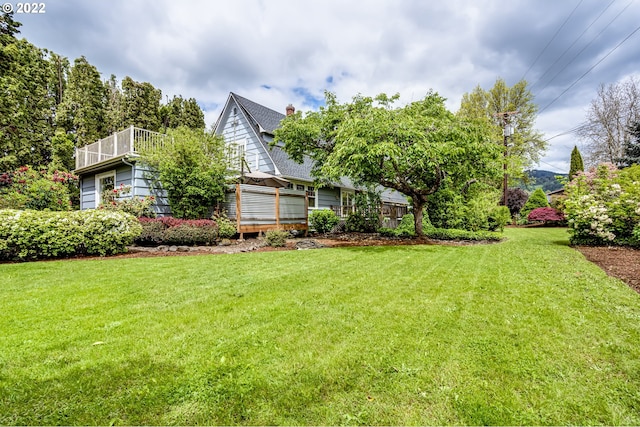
[
  {"x": 525, "y": 144},
  {"x": 82, "y": 111},
  {"x": 412, "y": 149},
  {"x": 192, "y": 169}
]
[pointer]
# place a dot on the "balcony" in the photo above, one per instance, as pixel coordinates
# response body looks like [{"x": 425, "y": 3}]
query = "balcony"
[{"x": 130, "y": 140}]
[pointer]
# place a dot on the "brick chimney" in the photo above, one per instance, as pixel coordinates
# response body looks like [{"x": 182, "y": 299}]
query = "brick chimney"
[{"x": 290, "y": 109}]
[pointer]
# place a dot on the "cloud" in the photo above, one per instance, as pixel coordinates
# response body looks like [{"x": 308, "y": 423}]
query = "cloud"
[{"x": 278, "y": 52}]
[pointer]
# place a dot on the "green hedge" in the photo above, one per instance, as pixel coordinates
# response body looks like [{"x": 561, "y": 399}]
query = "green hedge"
[{"x": 28, "y": 234}]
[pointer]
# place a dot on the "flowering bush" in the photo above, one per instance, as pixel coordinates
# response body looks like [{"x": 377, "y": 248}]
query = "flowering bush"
[
  {"x": 27, "y": 188},
  {"x": 603, "y": 206},
  {"x": 120, "y": 199},
  {"x": 30, "y": 234},
  {"x": 546, "y": 215}
]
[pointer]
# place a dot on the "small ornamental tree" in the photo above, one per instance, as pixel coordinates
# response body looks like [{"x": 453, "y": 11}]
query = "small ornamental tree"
[
  {"x": 516, "y": 198},
  {"x": 546, "y": 215},
  {"x": 537, "y": 199}
]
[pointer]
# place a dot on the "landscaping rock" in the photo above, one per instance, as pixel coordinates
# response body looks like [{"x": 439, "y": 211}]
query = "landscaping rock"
[
  {"x": 183, "y": 248},
  {"x": 309, "y": 244},
  {"x": 173, "y": 248},
  {"x": 225, "y": 242}
]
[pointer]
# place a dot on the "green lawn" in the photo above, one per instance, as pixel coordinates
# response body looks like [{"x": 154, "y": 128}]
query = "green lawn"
[{"x": 520, "y": 332}]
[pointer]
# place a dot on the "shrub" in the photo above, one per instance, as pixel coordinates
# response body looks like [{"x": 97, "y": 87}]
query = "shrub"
[
  {"x": 226, "y": 227},
  {"x": 537, "y": 199},
  {"x": 453, "y": 234},
  {"x": 190, "y": 235},
  {"x": 26, "y": 188},
  {"x": 407, "y": 227},
  {"x": 546, "y": 215},
  {"x": 176, "y": 231},
  {"x": 323, "y": 220},
  {"x": 603, "y": 206},
  {"x": 120, "y": 199},
  {"x": 356, "y": 222},
  {"x": 498, "y": 217},
  {"x": 276, "y": 238},
  {"x": 516, "y": 198},
  {"x": 30, "y": 234}
]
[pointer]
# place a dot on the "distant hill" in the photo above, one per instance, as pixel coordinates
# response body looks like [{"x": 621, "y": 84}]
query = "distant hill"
[{"x": 541, "y": 179}]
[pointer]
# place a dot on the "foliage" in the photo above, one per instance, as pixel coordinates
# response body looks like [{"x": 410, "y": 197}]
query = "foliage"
[
  {"x": 62, "y": 151},
  {"x": 606, "y": 129},
  {"x": 82, "y": 110},
  {"x": 548, "y": 181},
  {"x": 276, "y": 238},
  {"x": 577, "y": 165},
  {"x": 526, "y": 143},
  {"x": 226, "y": 227},
  {"x": 603, "y": 206},
  {"x": 410, "y": 149},
  {"x": 323, "y": 220},
  {"x": 537, "y": 199},
  {"x": 632, "y": 147},
  {"x": 406, "y": 227},
  {"x": 516, "y": 198},
  {"x": 191, "y": 169},
  {"x": 547, "y": 215},
  {"x": 28, "y": 234},
  {"x": 121, "y": 199},
  {"x": 180, "y": 112},
  {"x": 498, "y": 218},
  {"x": 366, "y": 215},
  {"x": 140, "y": 102},
  {"x": 189, "y": 232},
  {"x": 466, "y": 235},
  {"x": 26, "y": 188}
]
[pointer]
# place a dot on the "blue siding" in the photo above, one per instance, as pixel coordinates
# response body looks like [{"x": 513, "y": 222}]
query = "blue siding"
[
  {"x": 88, "y": 192},
  {"x": 243, "y": 132},
  {"x": 328, "y": 197}
]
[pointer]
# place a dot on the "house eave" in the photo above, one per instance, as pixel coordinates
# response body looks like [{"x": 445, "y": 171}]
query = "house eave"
[{"x": 114, "y": 161}]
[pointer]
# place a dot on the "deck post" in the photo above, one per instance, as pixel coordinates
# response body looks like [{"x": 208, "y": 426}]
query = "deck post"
[
  {"x": 131, "y": 135},
  {"x": 306, "y": 213},
  {"x": 277, "y": 207},
  {"x": 238, "y": 209}
]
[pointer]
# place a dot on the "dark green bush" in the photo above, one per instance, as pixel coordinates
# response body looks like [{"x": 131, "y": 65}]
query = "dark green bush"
[
  {"x": 537, "y": 199},
  {"x": 323, "y": 220},
  {"x": 498, "y": 217},
  {"x": 189, "y": 235}
]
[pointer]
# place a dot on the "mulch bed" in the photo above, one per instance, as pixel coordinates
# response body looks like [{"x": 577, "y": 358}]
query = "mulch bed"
[{"x": 623, "y": 263}]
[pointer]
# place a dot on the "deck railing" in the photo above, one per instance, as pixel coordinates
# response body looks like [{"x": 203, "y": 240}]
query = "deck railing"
[
  {"x": 241, "y": 160},
  {"x": 130, "y": 140}
]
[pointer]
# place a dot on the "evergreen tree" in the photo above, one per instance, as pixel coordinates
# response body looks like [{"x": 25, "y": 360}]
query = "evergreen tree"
[
  {"x": 26, "y": 104},
  {"x": 82, "y": 111},
  {"x": 180, "y": 112},
  {"x": 114, "y": 114},
  {"x": 141, "y": 104},
  {"x": 577, "y": 165},
  {"x": 632, "y": 147},
  {"x": 537, "y": 199}
]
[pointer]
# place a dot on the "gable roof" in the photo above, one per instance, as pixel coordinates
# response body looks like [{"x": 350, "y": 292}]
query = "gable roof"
[{"x": 267, "y": 119}]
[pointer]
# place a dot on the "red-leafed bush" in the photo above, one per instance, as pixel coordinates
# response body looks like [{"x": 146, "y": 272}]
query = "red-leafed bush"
[{"x": 546, "y": 215}]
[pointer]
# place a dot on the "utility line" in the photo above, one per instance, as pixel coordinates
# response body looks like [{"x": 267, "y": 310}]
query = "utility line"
[
  {"x": 552, "y": 39},
  {"x": 586, "y": 46},
  {"x": 590, "y": 69},
  {"x": 572, "y": 44}
]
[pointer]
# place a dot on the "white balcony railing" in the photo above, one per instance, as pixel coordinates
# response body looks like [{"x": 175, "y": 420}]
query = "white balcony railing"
[{"x": 130, "y": 140}]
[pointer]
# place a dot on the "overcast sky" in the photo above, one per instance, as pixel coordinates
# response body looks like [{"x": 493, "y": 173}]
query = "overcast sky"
[{"x": 277, "y": 52}]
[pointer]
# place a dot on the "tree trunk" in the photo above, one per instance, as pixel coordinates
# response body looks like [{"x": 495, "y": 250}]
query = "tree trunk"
[{"x": 417, "y": 216}]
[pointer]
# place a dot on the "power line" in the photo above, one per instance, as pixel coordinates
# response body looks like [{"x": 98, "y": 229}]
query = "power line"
[
  {"x": 585, "y": 47},
  {"x": 590, "y": 69},
  {"x": 552, "y": 39},
  {"x": 567, "y": 132},
  {"x": 573, "y": 44}
]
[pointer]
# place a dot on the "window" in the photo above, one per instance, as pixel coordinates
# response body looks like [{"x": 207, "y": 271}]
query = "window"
[
  {"x": 347, "y": 202},
  {"x": 299, "y": 187},
  {"x": 311, "y": 194},
  {"x": 104, "y": 182}
]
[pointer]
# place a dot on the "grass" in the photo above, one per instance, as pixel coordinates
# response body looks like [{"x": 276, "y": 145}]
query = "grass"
[{"x": 521, "y": 332}]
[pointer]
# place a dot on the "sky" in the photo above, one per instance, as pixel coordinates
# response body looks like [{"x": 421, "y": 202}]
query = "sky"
[{"x": 280, "y": 52}]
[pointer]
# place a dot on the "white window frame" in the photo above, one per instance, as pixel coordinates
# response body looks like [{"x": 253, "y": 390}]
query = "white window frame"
[
  {"x": 315, "y": 196},
  {"x": 99, "y": 189}
]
